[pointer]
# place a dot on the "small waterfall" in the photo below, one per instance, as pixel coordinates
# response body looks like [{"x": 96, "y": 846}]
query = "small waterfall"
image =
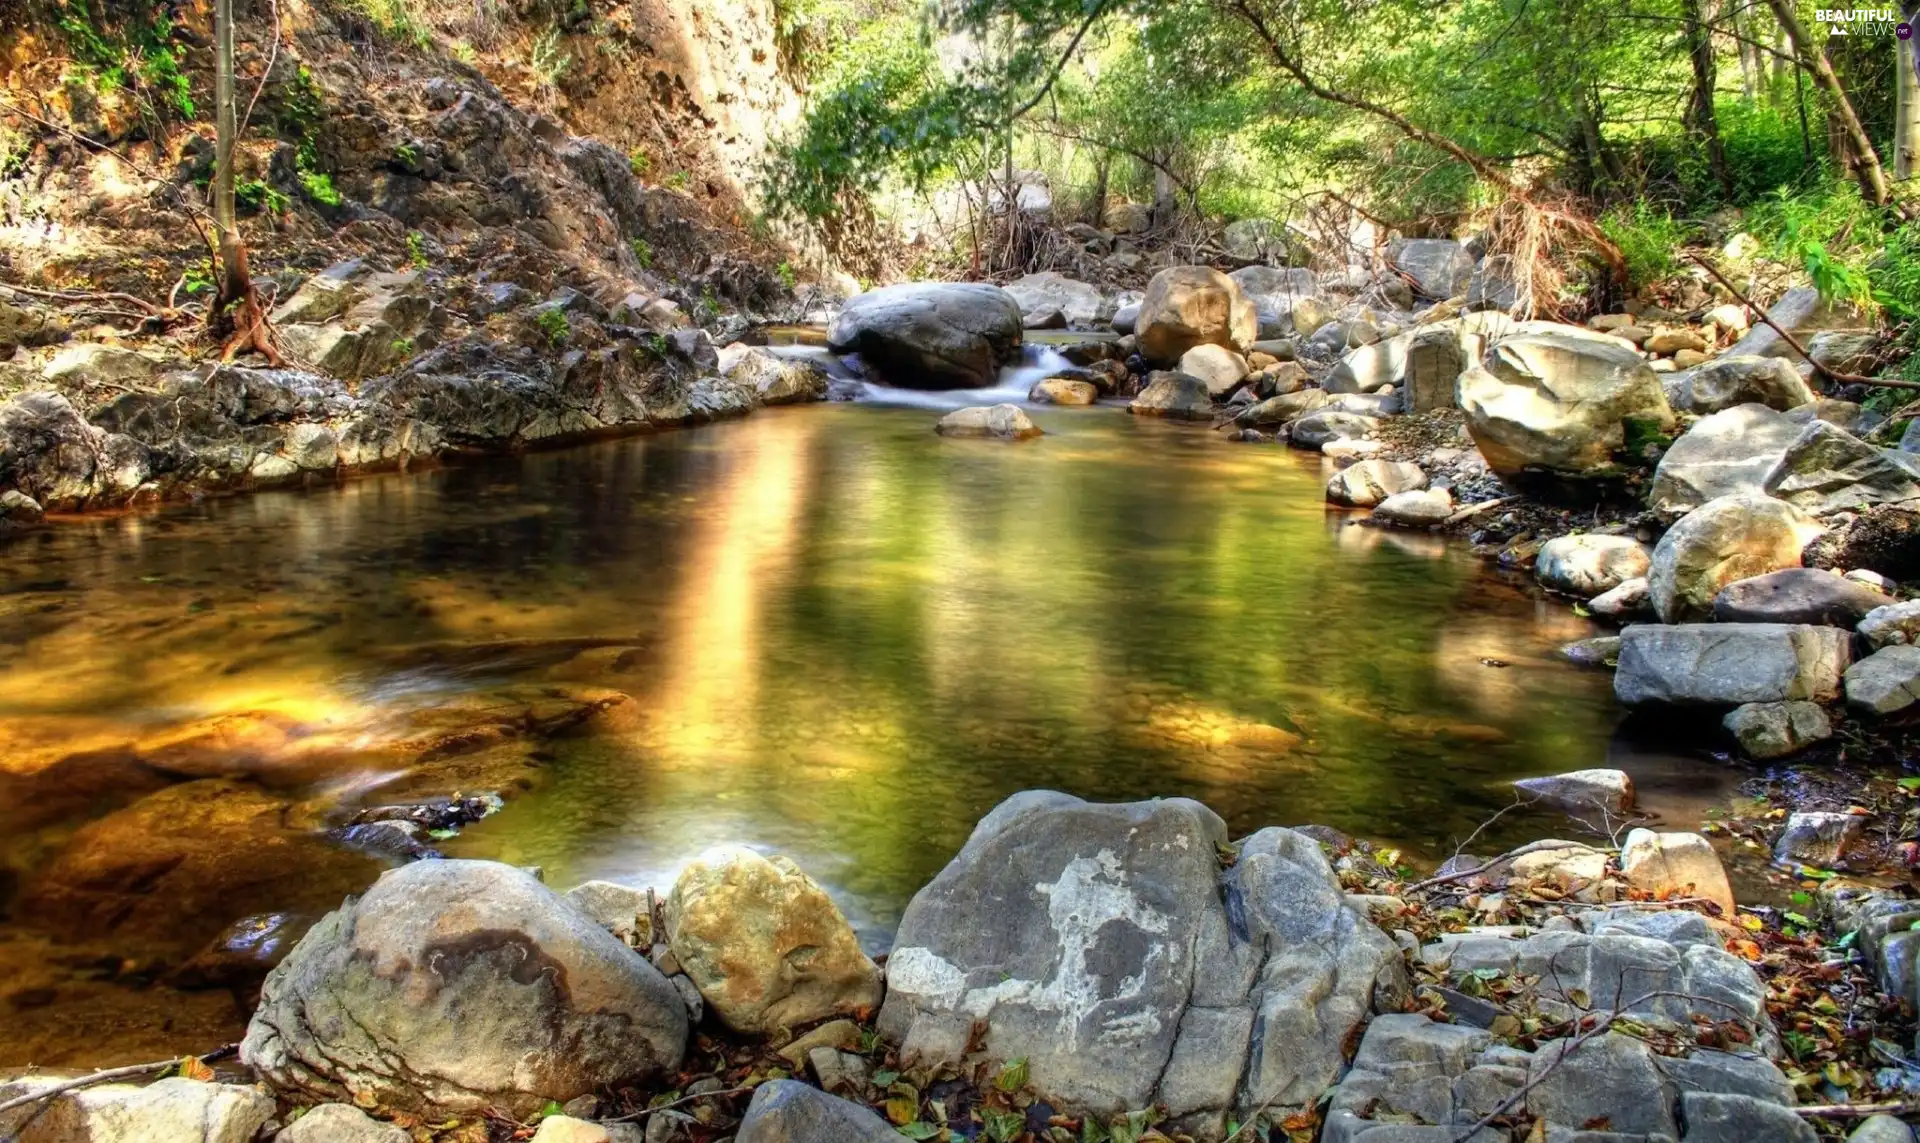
[{"x": 1036, "y": 362}]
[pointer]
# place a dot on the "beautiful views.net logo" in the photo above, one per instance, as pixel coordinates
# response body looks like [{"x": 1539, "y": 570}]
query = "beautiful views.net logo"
[{"x": 1863, "y": 22}]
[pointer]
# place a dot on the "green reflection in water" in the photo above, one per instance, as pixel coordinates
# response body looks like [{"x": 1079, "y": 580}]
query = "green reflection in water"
[{"x": 868, "y": 636}]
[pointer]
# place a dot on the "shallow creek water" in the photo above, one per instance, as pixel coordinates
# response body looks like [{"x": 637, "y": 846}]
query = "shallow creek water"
[{"x": 843, "y": 639}]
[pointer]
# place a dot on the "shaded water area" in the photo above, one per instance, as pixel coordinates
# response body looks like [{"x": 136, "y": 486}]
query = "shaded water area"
[{"x": 822, "y": 630}]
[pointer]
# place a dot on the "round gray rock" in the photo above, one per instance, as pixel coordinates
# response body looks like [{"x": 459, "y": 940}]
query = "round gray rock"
[{"x": 451, "y": 986}]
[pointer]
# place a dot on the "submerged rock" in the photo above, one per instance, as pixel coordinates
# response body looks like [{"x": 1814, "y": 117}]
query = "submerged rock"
[
  {"x": 931, "y": 335},
  {"x": 1007, "y": 422},
  {"x": 767, "y": 947},
  {"x": 452, "y": 986},
  {"x": 1105, "y": 945},
  {"x": 1417, "y": 508}
]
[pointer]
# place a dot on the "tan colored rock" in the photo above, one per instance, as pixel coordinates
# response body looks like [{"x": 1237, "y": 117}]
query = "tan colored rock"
[
  {"x": 1062, "y": 391},
  {"x": 1723, "y": 541},
  {"x": 1676, "y": 864},
  {"x": 1221, "y": 368},
  {"x": 766, "y": 946},
  {"x": 1368, "y": 482},
  {"x": 1558, "y": 401},
  {"x": 1187, "y": 306},
  {"x": 1005, "y": 422},
  {"x": 1668, "y": 342},
  {"x": 172, "y": 1110},
  {"x": 567, "y": 1129},
  {"x": 1566, "y": 867}
]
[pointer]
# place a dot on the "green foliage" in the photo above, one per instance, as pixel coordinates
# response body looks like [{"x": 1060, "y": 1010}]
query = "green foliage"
[
  {"x": 709, "y": 306},
  {"x": 1895, "y": 274},
  {"x": 403, "y": 347},
  {"x": 256, "y": 195},
  {"x": 548, "y": 62},
  {"x": 554, "y": 324},
  {"x": 1648, "y": 238},
  {"x": 785, "y": 272},
  {"x": 640, "y": 162},
  {"x": 319, "y": 188},
  {"x": 642, "y": 252},
  {"x": 136, "y": 54},
  {"x": 196, "y": 281},
  {"x": 417, "y": 250},
  {"x": 658, "y": 343},
  {"x": 463, "y": 51},
  {"x": 680, "y": 180},
  {"x": 407, "y": 155},
  {"x": 394, "y": 19},
  {"x": 1830, "y": 231}
]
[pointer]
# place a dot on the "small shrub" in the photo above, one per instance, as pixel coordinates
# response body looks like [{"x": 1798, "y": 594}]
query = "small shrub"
[
  {"x": 641, "y": 163},
  {"x": 402, "y": 347},
  {"x": 785, "y": 272},
  {"x": 554, "y": 324},
  {"x": 319, "y": 188},
  {"x": 256, "y": 195},
  {"x": 1648, "y": 238},
  {"x": 680, "y": 180},
  {"x": 407, "y": 155},
  {"x": 417, "y": 250},
  {"x": 642, "y": 252},
  {"x": 463, "y": 51},
  {"x": 548, "y": 63}
]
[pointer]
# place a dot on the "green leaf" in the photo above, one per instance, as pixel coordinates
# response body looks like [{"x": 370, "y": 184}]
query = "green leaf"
[
  {"x": 919, "y": 1129},
  {"x": 1004, "y": 1126},
  {"x": 885, "y": 1076},
  {"x": 1905, "y": 783},
  {"x": 1013, "y": 1077},
  {"x": 1798, "y": 919},
  {"x": 552, "y": 1108}
]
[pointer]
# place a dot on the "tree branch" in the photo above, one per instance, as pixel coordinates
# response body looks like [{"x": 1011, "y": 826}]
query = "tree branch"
[{"x": 1060, "y": 64}]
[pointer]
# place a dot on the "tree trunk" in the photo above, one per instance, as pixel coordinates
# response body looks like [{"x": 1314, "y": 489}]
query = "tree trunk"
[
  {"x": 226, "y": 232},
  {"x": 1906, "y": 115},
  {"x": 236, "y": 313},
  {"x": 1867, "y": 170},
  {"x": 1700, "y": 118},
  {"x": 1102, "y": 171},
  {"x": 1753, "y": 73}
]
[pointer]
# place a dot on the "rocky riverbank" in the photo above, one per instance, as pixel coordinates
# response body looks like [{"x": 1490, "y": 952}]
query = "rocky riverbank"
[{"x": 1077, "y": 971}]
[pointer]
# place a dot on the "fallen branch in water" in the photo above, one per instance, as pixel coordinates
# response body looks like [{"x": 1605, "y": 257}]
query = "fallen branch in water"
[{"x": 107, "y": 1075}]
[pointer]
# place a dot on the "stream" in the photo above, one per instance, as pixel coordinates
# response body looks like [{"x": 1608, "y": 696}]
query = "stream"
[{"x": 843, "y": 639}]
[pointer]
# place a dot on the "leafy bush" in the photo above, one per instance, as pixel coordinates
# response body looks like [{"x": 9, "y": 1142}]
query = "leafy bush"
[
  {"x": 642, "y": 252},
  {"x": 1829, "y": 230},
  {"x": 417, "y": 250},
  {"x": 548, "y": 63},
  {"x": 319, "y": 188},
  {"x": 1895, "y": 274},
  {"x": 554, "y": 324},
  {"x": 1648, "y": 237}
]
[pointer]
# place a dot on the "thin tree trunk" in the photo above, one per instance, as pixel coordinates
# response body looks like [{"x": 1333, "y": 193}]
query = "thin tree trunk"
[
  {"x": 1867, "y": 170},
  {"x": 1102, "y": 170},
  {"x": 1700, "y": 116},
  {"x": 226, "y": 232},
  {"x": 1906, "y": 115},
  {"x": 236, "y": 313},
  {"x": 1752, "y": 70}
]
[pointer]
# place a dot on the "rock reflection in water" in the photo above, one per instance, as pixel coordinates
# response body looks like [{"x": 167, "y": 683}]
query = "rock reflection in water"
[{"x": 821, "y": 631}]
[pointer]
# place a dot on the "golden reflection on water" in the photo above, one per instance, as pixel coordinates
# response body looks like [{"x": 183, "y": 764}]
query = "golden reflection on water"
[{"x": 843, "y": 638}]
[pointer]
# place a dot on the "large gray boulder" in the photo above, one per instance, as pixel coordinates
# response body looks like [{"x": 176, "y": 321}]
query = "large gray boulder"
[
  {"x": 1187, "y": 306},
  {"x": 1728, "y": 381},
  {"x": 453, "y": 986},
  {"x": 1885, "y": 682},
  {"x": 1084, "y": 306},
  {"x": 1274, "y": 292},
  {"x": 1722, "y": 542},
  {"x": 787, "y": 1111},
  {"x": 1559, "y": 402},
  {"x": 931, "y": 335},
  {"x": 49, "y": 452},
  {"x": 1365, "y": 368},
  {"x": 1590, "y": 564},
  {"x": 1827, "y": 469},
  {"x": 1729, "y": 664},
  {"x": 1106, "y": 945},
  {"x": 1722, "y": 454},
  {"x": 1440, "y": 268}
]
